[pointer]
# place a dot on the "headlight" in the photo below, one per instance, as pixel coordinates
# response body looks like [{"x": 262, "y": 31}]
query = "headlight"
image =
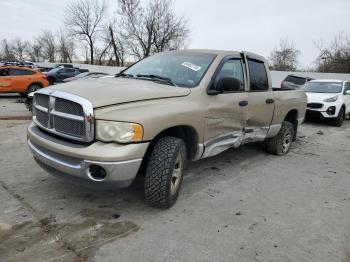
[
  {"x": 121, "y": 132},
  {"x": 332, "y": 99}
]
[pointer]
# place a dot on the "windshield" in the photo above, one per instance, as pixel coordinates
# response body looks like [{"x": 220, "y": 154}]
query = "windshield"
[
  {"x": 323, "y": 87},
  {"x": 182, "y": 69}
]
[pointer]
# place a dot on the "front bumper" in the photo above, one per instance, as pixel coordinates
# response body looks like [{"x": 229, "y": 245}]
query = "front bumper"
[
  {"x": 120, "y": 173},
  {"x": 323, "y": 112}
]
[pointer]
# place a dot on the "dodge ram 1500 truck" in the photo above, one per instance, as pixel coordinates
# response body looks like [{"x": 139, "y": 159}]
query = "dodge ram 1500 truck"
[{"x": 159, "y": 113}]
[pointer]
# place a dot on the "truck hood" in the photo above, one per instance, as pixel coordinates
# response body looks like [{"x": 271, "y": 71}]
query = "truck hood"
[
  {"x": 319, "y": 97},
  {"x": 111, "y": 91}
]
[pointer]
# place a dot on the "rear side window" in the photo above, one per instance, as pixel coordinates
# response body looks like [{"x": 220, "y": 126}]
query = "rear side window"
[
  {"x": 258, "y": 76},
  {"x": 21, "y": 72},
  {"x": 295, "y": 80}
]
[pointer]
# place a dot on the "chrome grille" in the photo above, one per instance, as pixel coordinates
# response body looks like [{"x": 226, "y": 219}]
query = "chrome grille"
[
  {"x": 64, "y": 114},
  {"x": 68, "y": 126},
  {"x": 69, "y": 107},
  {"x": 42, "y": 100},
  {"x": 42, "y": 117}
]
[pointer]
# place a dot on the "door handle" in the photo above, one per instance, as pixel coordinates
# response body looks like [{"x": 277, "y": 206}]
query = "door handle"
[
  {"x": 270, "y": 101},
  {"x": 243, "y": 103}
]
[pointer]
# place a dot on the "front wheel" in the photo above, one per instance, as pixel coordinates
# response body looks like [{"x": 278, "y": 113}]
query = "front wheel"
[
  {"x": 340, "y": 118},
  {"x": 280, "y": 144},
  {"x": 164, "y": 172}
]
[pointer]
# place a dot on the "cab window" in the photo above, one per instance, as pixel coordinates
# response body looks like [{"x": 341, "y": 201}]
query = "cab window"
[
  {"x": 232, "y": 68},
  {"x": 258, "y": 76}
]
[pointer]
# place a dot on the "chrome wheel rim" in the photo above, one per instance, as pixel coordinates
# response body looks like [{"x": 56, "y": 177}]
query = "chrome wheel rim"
[
  {"x": 176, "y": 175},
  {"x": 287, "y": 140}
]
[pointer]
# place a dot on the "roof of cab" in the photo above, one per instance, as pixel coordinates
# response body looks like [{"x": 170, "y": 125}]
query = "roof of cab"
[{"x": 221, "y": 53}]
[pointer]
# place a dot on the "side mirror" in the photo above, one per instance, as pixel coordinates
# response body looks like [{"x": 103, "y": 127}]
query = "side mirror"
[
  {"x": 347, "y": 92},
  {"x": 228, "y": 84}
]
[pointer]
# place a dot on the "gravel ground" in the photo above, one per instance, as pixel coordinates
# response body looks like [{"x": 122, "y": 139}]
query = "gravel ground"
[
  {"x": 12, "y": 106},
  {"x": 243, "y": 205}
]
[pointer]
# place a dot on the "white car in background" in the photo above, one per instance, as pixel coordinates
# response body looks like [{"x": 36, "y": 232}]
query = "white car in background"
[{"x": 329, "y": 99}]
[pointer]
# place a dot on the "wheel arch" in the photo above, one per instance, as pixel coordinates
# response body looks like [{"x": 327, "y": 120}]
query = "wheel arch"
[
  {"x": 185, "y": 132},
  {"x": 292, "y": 117},
  {"x": 35, "y": 83}
]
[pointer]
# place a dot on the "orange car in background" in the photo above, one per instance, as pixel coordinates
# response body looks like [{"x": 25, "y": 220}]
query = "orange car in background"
[{"x": 21, "y": 80}]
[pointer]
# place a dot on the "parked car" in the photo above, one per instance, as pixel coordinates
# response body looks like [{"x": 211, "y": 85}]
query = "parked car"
[
  {"x": 48, "y": 69},
  {"x": 57, "y": 75},
  {"x": 21, "y": 80},
  {"x": 295, "y": 82},
  {"x": 158, "y": 114},
  {"x": 85, "y": 75},
  {"x": 328, "y": 99}
]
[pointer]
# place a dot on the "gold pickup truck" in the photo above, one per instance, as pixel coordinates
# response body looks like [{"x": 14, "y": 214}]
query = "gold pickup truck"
[{"x": 158, "y": 114}]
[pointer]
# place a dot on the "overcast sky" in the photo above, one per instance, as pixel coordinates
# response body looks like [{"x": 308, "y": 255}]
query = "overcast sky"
[{"x": 252, "y": 25}]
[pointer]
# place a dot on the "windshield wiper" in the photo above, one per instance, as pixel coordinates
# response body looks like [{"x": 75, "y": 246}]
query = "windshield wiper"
[
  {"x": 124, "y": 75},
  {"x": 161, "y": 78}
]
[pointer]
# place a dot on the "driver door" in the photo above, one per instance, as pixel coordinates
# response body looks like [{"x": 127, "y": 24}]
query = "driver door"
[{"x": 227, "y": 111}]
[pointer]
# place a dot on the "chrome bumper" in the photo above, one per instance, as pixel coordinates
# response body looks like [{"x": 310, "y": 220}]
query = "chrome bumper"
[{"x": 118, "y": 174}]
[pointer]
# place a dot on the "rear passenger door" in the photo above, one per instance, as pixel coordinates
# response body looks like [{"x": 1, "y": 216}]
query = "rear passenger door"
[{"x": 260, "y": 101}]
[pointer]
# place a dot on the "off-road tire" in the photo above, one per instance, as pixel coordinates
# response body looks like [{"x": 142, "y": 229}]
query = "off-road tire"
[
  {"x": 159, "y": 172},
  {"x": 340, "y": 118},
  {"x": 275, "y": 144},
  {"x": 32, "y": 88}
]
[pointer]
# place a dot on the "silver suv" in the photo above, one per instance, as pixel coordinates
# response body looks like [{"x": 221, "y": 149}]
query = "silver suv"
[{"x": 295, "y": 82}]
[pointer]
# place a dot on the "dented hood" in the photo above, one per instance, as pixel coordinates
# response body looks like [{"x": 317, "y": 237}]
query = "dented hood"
[{"x": 111, "y": 91}]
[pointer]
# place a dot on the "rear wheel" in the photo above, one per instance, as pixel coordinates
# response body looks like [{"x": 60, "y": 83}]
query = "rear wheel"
[
  {"x": 164, "y": 172},
  {"x": 280, "y": 144},
  {"x": 340, "y": 118}
]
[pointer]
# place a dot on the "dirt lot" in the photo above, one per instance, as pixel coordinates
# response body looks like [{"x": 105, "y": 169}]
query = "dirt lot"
[{"x": 243, "y": 205}]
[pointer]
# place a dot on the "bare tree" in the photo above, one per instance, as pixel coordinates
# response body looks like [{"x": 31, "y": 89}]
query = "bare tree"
[
  {"x": 117, "y": 43},
  {"x": 84, "y": 19},
  {"x": 48, "y": 44},
  {"x": 34, "y": 52},
  {"x": 103, "y": 52},
  {"x": 284, "y": 57},
  {"x": 335, "y": 57},
  {"x": 20, "y": 48},
  {"x": 151, "y": 28},
  {"x": 7, "y": 51},
  {"x": 170, "y": 32},
  {"x": 66, "y": 47}
]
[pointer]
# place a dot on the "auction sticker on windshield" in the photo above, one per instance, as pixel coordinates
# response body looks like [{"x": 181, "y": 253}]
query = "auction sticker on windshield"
[{"x": 191, "y": 66}]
